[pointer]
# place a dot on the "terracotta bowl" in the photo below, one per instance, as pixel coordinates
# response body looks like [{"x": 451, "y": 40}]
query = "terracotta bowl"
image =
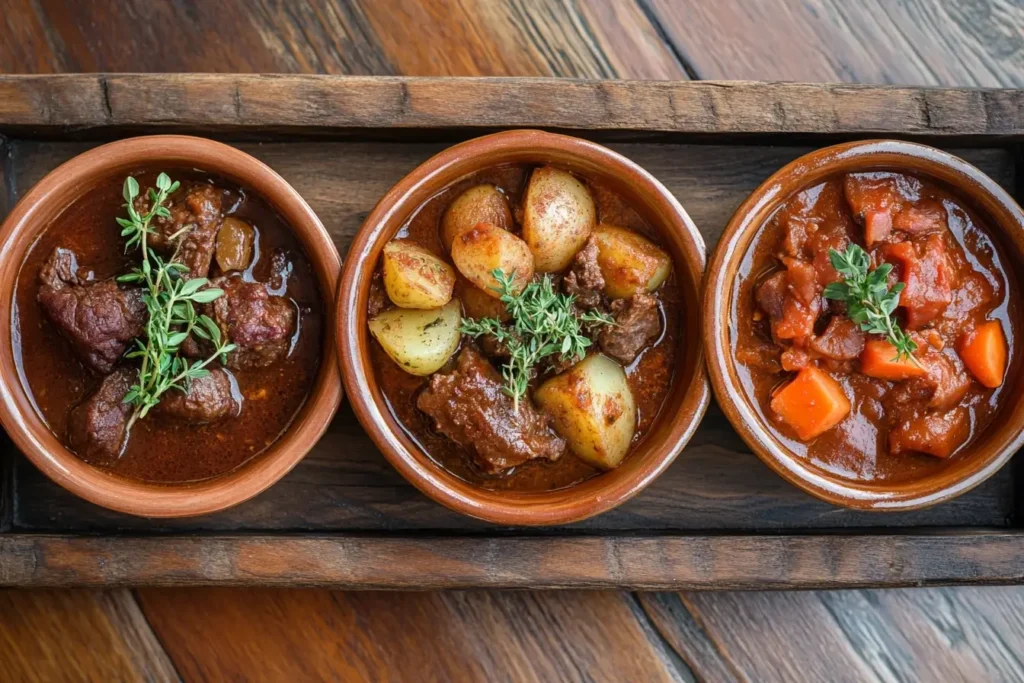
[
  {"x": 984, "y": 456},
  {"x": 684, "y": 406},
  {"x": 34, "y": 213}
]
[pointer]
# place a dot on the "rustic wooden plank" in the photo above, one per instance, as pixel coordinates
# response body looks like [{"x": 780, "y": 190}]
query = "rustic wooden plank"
[
  {"x": 935, "y": 634},
  {"x": 78, "y": 636},
  {"x": 7, "y": 451},
  {"x": 428, "y": 562},
  {"x": 780, "y": 636},
  {"x": 225, "y": 634},
  {"x": 325, "y": 104},
  {"x": 345, "y": 484},
  {"x": 598, "y": 39},
  {"x": 227, "y": 36},
  {"x": 917, "y": 42},
  {"x": 680, "y": 629}
]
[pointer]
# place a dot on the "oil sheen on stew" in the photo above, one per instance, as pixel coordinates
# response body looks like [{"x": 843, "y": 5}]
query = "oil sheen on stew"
[
  {"x": 73, "y": 363},
  {"x": 844, "y": 399},
  {"x": 458, "y": 412}
]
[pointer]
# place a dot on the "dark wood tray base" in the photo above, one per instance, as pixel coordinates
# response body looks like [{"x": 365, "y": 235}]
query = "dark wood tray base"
[{"x": 718, "y": 518}]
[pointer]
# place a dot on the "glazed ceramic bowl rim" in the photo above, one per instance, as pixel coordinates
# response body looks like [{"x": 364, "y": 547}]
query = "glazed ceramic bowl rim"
[
  {"x": 732, "y": 248},
  {"x": 556, "y": 507},
  {"x": 32, "y": 215}
]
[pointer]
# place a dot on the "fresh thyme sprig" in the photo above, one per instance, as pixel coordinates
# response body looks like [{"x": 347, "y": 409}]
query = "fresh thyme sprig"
[
  {"x": 170, "y": 304},
  {"x": 543, "y": 324},
  {"x": 870, "y": 301}
]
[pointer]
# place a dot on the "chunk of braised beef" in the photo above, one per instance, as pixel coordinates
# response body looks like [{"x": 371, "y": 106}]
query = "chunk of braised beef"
[
  {"x": 99, "y": 319},
  {"x": 876, "y": 197},
  {"x": 207, "y": 399},
  {"x": 933, "y": 433},
  {"x": 584, "y": 279},
  {"x": 945, "y": 385},
  {"x": 96, "y": 428},
  {"x": 191, "y": 229},
  {"x": 469, "y": 407},
  {"x": 925, "y": 217},
  {"x": 792, "y": 300},
  {"x": 842, "y": 339},
  {"x": 637, "y": 324},
  {"x": 261, "y": 325},
  {"x": 924, "y": 269}
]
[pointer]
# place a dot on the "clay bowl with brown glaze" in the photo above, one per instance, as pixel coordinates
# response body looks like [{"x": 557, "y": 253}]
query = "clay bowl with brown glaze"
[
  {"x": 980, "y": 458},
  {"x": 34, "y": 213},
  {"x": 683, "y": 407}
]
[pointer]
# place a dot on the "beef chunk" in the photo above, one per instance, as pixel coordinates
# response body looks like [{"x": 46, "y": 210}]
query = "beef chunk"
[
  {"x": 196, "y": 216},
  {"x": 97, "y": 426},
  {"x": 584, "y": 279},
  {"x": 925, "y": 217},
  {"x": 792, "y": 300},
  {"x": 923, "y": 267},
  {"x": 260, "y": 324},
  {"x": 469, "y": 407},
  {"x": 208, "y": 399},
  {"x": 99, "y": 318},
  {"x": 637, "y": 324},
  {"x": 937, "y": 434},
  {"x": 841, "y": 340}
]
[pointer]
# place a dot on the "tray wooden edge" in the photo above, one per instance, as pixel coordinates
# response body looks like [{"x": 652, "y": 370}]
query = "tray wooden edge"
[
  {"x": 644, "y": 563},
  {"x": 50, "y": 104}
]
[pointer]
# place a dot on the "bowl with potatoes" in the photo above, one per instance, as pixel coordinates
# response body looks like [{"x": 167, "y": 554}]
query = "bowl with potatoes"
[{"x": 518, "y": 327}]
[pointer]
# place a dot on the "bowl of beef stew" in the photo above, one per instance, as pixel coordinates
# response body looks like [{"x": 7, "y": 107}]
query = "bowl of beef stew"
[
  {"x": 518, "y": 328},
  {"x": 167, "y": 305},
  {"x": 861, "y": 317}
]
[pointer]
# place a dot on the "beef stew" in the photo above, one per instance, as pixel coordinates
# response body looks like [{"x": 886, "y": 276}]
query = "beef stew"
[
  {"x": 456, "y": 299},
  {"x": 874, "y": 316},
  {"x": 81, "y": 319}
]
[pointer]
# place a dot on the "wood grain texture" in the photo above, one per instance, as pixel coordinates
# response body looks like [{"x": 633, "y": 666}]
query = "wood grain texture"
[
  {"x": 679, "y": 627},
  {"x": 937, "y": 634},
  {"x": 325, "y": 104},
  {"x": 345, "y": 484},
  {"x": 78, "y": 636},
  {"x": 427, "y": 562},
  {"x": 916, "y": 42},
  {"x": 597, "y": 39},
  {"x": 273, "y": 635}
]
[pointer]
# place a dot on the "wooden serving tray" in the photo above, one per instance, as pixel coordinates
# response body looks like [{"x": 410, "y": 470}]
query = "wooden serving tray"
[{"x": 718, "y": 518}]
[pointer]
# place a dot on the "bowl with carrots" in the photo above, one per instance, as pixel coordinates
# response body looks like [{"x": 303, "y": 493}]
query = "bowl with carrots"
[{"x": 861, "y": 312}]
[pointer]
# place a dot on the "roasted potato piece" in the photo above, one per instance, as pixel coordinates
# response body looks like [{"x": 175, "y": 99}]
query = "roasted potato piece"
[
  {"x": 479, "y": 204},
  {"x": 476, "y": 303},
  {"x": 420, "y": 341},
  {"x": 478, "y": 252},
  {"x": 558, "y": 217},
  {"x": 414, "y": 277},
  {"x": 234, "y": 244},
  {"x": 592, "y": 409},
  {"x": 629, "y": 263}
]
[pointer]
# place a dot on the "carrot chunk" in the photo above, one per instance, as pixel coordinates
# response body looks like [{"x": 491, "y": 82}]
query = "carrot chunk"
[
  {"x": 984, "y": 351},
  {"x": 879, "y": 360},
  {"x": 811, "y": 404}
]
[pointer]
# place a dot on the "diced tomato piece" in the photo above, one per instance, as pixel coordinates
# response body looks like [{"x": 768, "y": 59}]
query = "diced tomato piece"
[
  {"x": 925, "y": 271},
  {"x": 927, "y": 216},
  {"x": 984, "y": 352},
  {"x": 877, "y": 226},
  {"x": 811, "y": 404},
  {"x": 938, "y": 434},
  {"x": 879, "y": 360}
]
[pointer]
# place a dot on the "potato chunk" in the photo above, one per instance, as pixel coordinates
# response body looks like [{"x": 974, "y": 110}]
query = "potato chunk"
[
  {"x": 592, "y": 409},
  {"x": 414, "y": 277},
  {"x": 629, "y": 263},
  {"x": 420, "y": 341},
  {"x": 558, "y": 217},
  {"x": 476, "y": 303},
  {"x": 478, "y": 252},
  {"x": 479, "y": 204},
  {"x": 234, "y": 244}
]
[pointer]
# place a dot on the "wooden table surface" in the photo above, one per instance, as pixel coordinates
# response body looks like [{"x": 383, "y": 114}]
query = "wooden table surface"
[{"x": 937, "y": 634}]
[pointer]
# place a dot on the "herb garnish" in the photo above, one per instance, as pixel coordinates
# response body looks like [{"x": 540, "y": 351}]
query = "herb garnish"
[
  {"x": 870, "y": 301},
  {"x": 543, "y": 324},
  {"x": 169, "y": 299}
]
